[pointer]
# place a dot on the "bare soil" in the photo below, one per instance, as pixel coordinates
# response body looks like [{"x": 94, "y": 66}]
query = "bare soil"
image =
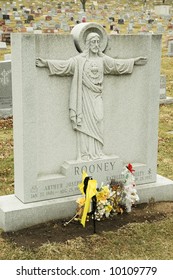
[{"x": 55, "y": 231}]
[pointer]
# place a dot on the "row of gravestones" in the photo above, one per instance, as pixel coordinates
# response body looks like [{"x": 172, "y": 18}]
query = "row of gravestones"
[
  {"x": 45, "y": 26},
  {"x": 6, "y": 88},
  {"x": 47, "y": 22},
  {"x": 121, "y": 20}
]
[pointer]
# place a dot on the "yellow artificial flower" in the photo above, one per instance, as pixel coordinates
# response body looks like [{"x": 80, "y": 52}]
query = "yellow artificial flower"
[
  {"x": 108, "y": 208},
  {"x": 100, "y": 196},
  {"x": 104, "y": 194},
  {"x": 106, "y": 191},
  {"x": 81, "y": 201}
]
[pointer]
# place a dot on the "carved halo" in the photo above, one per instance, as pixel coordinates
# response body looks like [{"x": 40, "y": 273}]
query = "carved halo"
[{"x": 81, "y": 31}]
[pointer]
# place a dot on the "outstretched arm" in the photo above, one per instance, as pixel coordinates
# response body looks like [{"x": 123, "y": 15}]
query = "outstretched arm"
[
  {"x": 41, "y": 62},
  {"x": 121, "y": 66},
  {"x": 140, "y": 60},
  {"x": 57, "y": 67}
]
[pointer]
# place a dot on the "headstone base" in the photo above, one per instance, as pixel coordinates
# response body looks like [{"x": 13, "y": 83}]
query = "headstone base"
[
  {"x": 15, "y": 215},
  {"x": 167, "y": 100},
  {"x": 5, "y": 113}
]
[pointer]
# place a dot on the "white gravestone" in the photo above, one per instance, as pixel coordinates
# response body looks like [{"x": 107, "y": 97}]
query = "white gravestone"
[
  {"x": 162, "y": 86},
  {"x": 170, "y": 48},
  {"x": 58, "y": 134},
  {"x": 29, "y": 29},
  {"x": 163, "y": 98},
  {"x": 99, "y": 155},
  {"x": 3, "y": 45},
  {"x": 7, "y": 56},
  {"x": 160, "y": 27},
  {"x": 162, "y": 10}
]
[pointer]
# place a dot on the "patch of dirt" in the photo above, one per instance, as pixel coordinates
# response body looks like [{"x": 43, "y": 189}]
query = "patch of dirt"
[{"x": 55, "y": 231}]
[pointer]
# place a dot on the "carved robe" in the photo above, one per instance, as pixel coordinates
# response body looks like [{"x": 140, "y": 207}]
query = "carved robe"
[{"x": 85, "y": 103}]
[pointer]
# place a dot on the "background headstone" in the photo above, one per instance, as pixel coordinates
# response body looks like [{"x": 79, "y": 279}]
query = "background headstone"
[
  {"x": 3, "y": 45},
  {"x": 5, "y": 89},
  {"x": 120, "y": 21},
  {"x": 162, "y": 10},
  {"x": 7, "y": 56},
  {"x": 160, "y": 27},
  {"x": 162, "y": 86},
  {"x": 170, "y": 48}
]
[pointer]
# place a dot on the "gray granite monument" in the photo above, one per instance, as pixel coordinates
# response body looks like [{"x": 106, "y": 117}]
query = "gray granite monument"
[{"x": 164, "y": 99}]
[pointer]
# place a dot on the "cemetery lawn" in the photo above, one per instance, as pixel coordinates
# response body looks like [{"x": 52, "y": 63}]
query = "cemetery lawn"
[
  {"x": 145, "y": 233},
  {"x": 6, "y": 157}
]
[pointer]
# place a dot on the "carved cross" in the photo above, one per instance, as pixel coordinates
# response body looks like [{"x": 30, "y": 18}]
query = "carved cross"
[{"x": 4, "y": 79}]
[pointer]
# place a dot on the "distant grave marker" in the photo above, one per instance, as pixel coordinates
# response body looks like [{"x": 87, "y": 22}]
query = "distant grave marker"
[
  {"x": 162, "y": 86},
  {"x": 5, "y": 89},
  {"x": 3, "y": 45},
  {"x": 6, "y": 17},
  {"x": 170, "y": 48},
  {"x": 121, "y": 21},
  {"x": 29, "y": 29},
  {"x": 162, "y": 10},
  {"x": 160, "y": 27},
  {"x": 37, "y": 31}
]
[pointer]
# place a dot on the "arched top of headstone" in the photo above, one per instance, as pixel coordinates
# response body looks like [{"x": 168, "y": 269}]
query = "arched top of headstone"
[{"x": 81, "y": 31}]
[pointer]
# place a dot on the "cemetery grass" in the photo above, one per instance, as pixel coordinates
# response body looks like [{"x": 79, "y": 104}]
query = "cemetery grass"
[{"x": 145, "y": 233}]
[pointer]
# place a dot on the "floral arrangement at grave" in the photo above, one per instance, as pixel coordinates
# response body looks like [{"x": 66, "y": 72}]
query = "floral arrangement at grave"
[{"x": 114, "y": 198}]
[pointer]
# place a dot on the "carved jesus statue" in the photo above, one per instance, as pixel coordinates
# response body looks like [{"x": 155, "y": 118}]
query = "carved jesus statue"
[{"x": 86, "y": 104}]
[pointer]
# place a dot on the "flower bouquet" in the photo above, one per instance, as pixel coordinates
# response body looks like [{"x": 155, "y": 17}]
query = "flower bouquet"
[{"x": 111, "y": 199}]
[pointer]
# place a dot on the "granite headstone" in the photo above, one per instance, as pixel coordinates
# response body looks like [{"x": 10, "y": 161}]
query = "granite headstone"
[{"x": 50, "y": 152}]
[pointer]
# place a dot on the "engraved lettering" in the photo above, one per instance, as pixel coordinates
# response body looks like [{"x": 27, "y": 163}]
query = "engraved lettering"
[
  {"x": 53, "y": 187},
  {"x": 77, "y": 171},
  {"x": 34, "y": 195},
  {"x": 84, "y": 168},
  {"x": 99, "y": 167},
  {"x": 112, "y": 164},
  {"x": 106, "y": 166},
  {"x": 92, "y": 168}
]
